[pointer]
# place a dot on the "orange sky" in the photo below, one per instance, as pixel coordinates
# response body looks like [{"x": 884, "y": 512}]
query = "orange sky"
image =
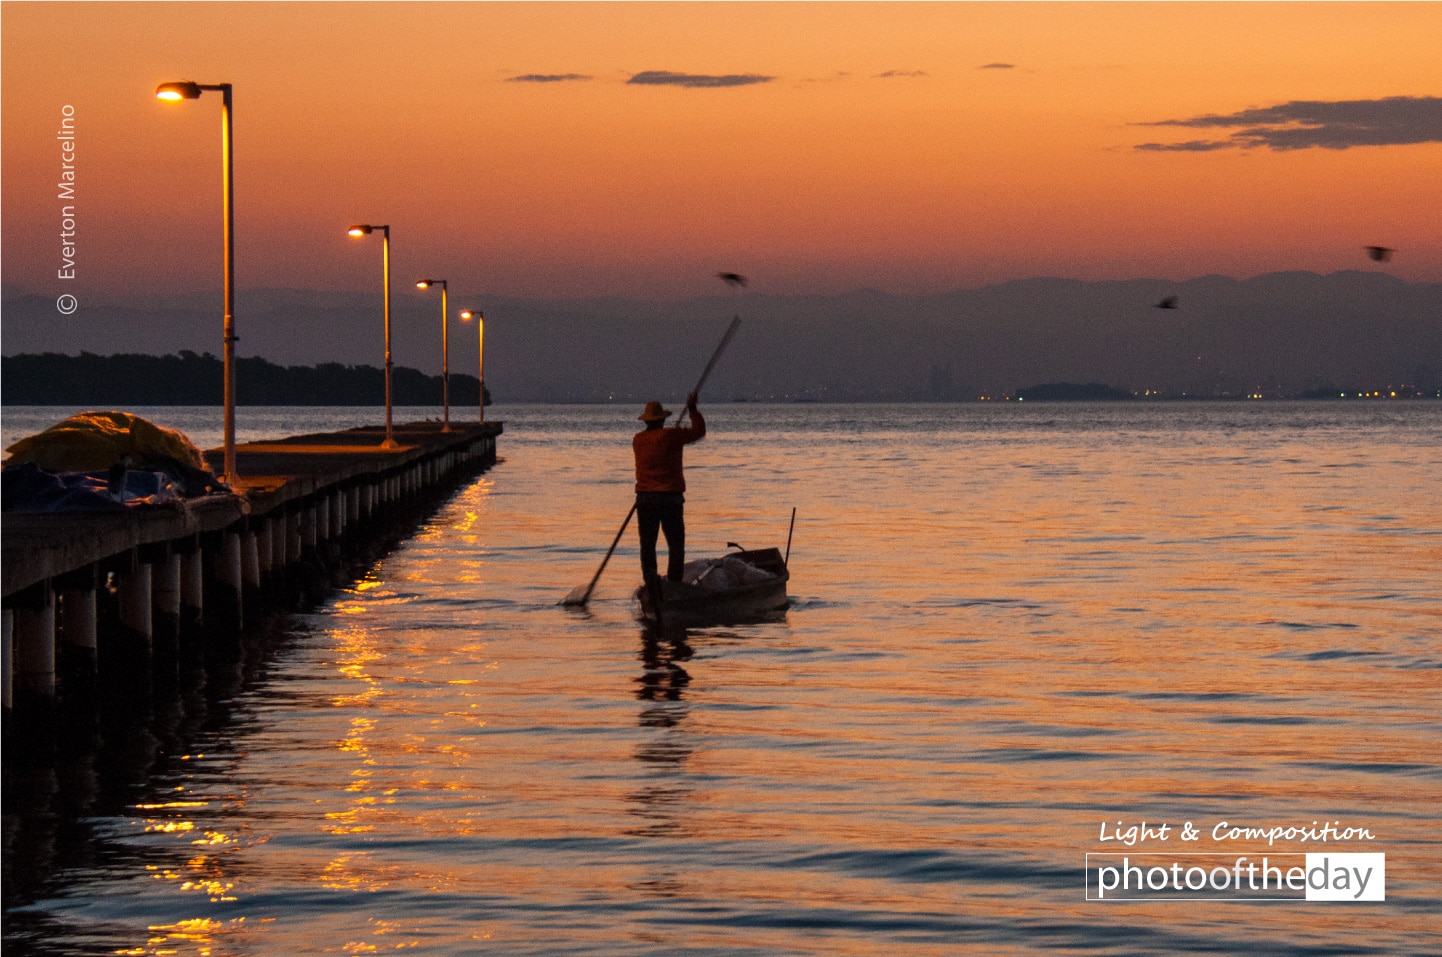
[{"x": 830, "y": 176}]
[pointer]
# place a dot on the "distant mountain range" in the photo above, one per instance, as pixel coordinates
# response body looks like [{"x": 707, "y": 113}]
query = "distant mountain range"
[{"x": 1277, "y": 334}]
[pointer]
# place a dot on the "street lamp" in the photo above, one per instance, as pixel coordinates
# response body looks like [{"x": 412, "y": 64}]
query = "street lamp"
[
  {"x": 466, "y": 316},
  {"x": 445, "y": 352},
  {"x": 187, "y": 90},
  {"x": 363, "y": 230}
]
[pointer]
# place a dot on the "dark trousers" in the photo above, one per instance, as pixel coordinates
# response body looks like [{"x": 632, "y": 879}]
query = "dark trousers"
[{"x": 662, "y": 512}]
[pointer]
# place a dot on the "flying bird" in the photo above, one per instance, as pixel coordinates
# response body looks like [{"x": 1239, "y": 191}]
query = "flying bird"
[
  {"x": 732, "y": 279},
  {"x": 1168, "y": 303},
  {"x": 1380, "y": 253}
]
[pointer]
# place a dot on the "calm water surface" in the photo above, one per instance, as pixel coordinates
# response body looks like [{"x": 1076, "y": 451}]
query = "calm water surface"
[{"x": 1011, "y": 627}]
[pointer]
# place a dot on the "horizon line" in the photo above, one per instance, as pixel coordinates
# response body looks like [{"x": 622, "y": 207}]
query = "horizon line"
[{"x": 9, "y": 288}]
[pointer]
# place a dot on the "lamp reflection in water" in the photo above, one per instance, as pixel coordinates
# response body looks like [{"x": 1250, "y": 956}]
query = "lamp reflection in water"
[
  {"x": 466, "y": 316},
  {"x": 188, "y": 90},
  {"x": 204, "y": 873},
  {"x": 365, "y": 230}
]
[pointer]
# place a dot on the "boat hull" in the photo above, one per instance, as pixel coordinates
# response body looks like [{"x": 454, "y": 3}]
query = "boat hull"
[{"x": 736, "y": 587}]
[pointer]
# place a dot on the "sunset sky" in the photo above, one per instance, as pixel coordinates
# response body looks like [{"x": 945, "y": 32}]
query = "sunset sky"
[{"x": 574, "y": 150}]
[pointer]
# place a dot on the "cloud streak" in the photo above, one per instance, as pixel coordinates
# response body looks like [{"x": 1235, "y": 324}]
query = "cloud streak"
[
  {"x": 1190, "y": 146},
  {"x": 997, "y": 66},
  {"x": 696, "y": 81},
  {"x": 547, "y": 78},
  {"x": 893, "y": 74},
  {"x": 1316, "y": 124}
]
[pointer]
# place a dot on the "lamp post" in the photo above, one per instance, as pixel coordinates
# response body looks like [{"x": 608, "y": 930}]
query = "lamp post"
[
  {"x": 466, "y": 316},
  {"x": 364, "y": 230},
  {"x": 187, "y": 90},
  {"x": 445, "y": 352}
]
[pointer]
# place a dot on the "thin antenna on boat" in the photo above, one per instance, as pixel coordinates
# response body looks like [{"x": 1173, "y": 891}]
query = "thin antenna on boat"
[{"x": 787, "y": 560}]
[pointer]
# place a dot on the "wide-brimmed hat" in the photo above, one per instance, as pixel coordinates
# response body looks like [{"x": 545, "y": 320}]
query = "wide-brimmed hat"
[{"x": 655, "y": 412}]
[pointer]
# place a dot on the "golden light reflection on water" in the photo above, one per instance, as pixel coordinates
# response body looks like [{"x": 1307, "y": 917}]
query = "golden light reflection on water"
[{"x": 200, "y": 933}]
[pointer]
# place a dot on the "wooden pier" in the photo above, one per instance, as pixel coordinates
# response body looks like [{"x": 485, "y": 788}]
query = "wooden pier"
[{"x": 77, "y": 584}]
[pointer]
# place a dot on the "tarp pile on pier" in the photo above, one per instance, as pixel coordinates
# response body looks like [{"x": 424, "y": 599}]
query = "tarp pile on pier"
[{"x": 102, "y": 461}]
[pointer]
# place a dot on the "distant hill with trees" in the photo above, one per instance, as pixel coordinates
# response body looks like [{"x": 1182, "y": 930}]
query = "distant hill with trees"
[{"x": 198, "y": 379}]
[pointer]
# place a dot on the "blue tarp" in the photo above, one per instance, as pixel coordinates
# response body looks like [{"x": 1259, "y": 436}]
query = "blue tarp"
[{"x": 29, "y": 488}]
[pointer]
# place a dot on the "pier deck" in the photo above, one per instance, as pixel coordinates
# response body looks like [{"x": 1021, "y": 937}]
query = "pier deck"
[{"x": 280, "y": 470}]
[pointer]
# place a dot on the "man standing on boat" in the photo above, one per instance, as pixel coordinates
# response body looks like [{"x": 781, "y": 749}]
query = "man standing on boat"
[{"x": 660, "y": 488}]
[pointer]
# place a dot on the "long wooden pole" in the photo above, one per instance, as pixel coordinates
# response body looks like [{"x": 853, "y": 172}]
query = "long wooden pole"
[
  {"x": 580, "y": 596},
  {"x": 787, "y": 560},
  {"x": 720, "y": 348}
]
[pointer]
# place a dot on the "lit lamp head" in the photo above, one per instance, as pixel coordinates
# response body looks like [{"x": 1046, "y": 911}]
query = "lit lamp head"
[
  {"x": 468, "y": 314},
  {"x": 360, "y": 230},
  {"x": 184, "y": 90},
  {"x": 428, "y": 283}
]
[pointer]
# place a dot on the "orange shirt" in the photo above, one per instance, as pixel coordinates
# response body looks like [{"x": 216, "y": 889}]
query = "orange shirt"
[{"x": 658, "y": 456}]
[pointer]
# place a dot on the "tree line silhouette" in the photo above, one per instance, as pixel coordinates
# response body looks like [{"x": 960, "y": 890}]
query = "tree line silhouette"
[{"x": 190, "y": 379}]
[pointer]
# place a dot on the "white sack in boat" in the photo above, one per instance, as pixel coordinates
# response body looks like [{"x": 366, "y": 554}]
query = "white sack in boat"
[{"x": 720, "y": 574}]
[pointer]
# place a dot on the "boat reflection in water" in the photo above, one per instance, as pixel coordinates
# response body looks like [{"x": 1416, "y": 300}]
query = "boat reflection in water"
[
  {"x": 662, "y": 684},
  {"x": 665, "y": 802}
]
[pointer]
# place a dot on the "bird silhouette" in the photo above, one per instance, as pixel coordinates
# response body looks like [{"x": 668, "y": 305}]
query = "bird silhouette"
[
  {"x": 1380, "y": 253},
  {"x": 1168, "y": 303},
  {"x": 732, "y": 279}
]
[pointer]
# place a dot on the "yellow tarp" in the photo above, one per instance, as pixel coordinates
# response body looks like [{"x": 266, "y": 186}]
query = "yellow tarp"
[{"x": 94, "y": 441}]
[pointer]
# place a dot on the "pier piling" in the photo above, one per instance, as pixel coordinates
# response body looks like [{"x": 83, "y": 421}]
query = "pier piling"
[
  {"x": 78, "y": 616},
  {"x": 135, "y": 590},
  {"x": 7, "y": 661},
  {"x": 192, "y": 586},
  {"x": 34, "y": 644},
  {"x": 165, "y": 577}
]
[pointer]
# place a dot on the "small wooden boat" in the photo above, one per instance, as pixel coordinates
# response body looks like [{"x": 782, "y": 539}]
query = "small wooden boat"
[{"x": 734, "y": 587}]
